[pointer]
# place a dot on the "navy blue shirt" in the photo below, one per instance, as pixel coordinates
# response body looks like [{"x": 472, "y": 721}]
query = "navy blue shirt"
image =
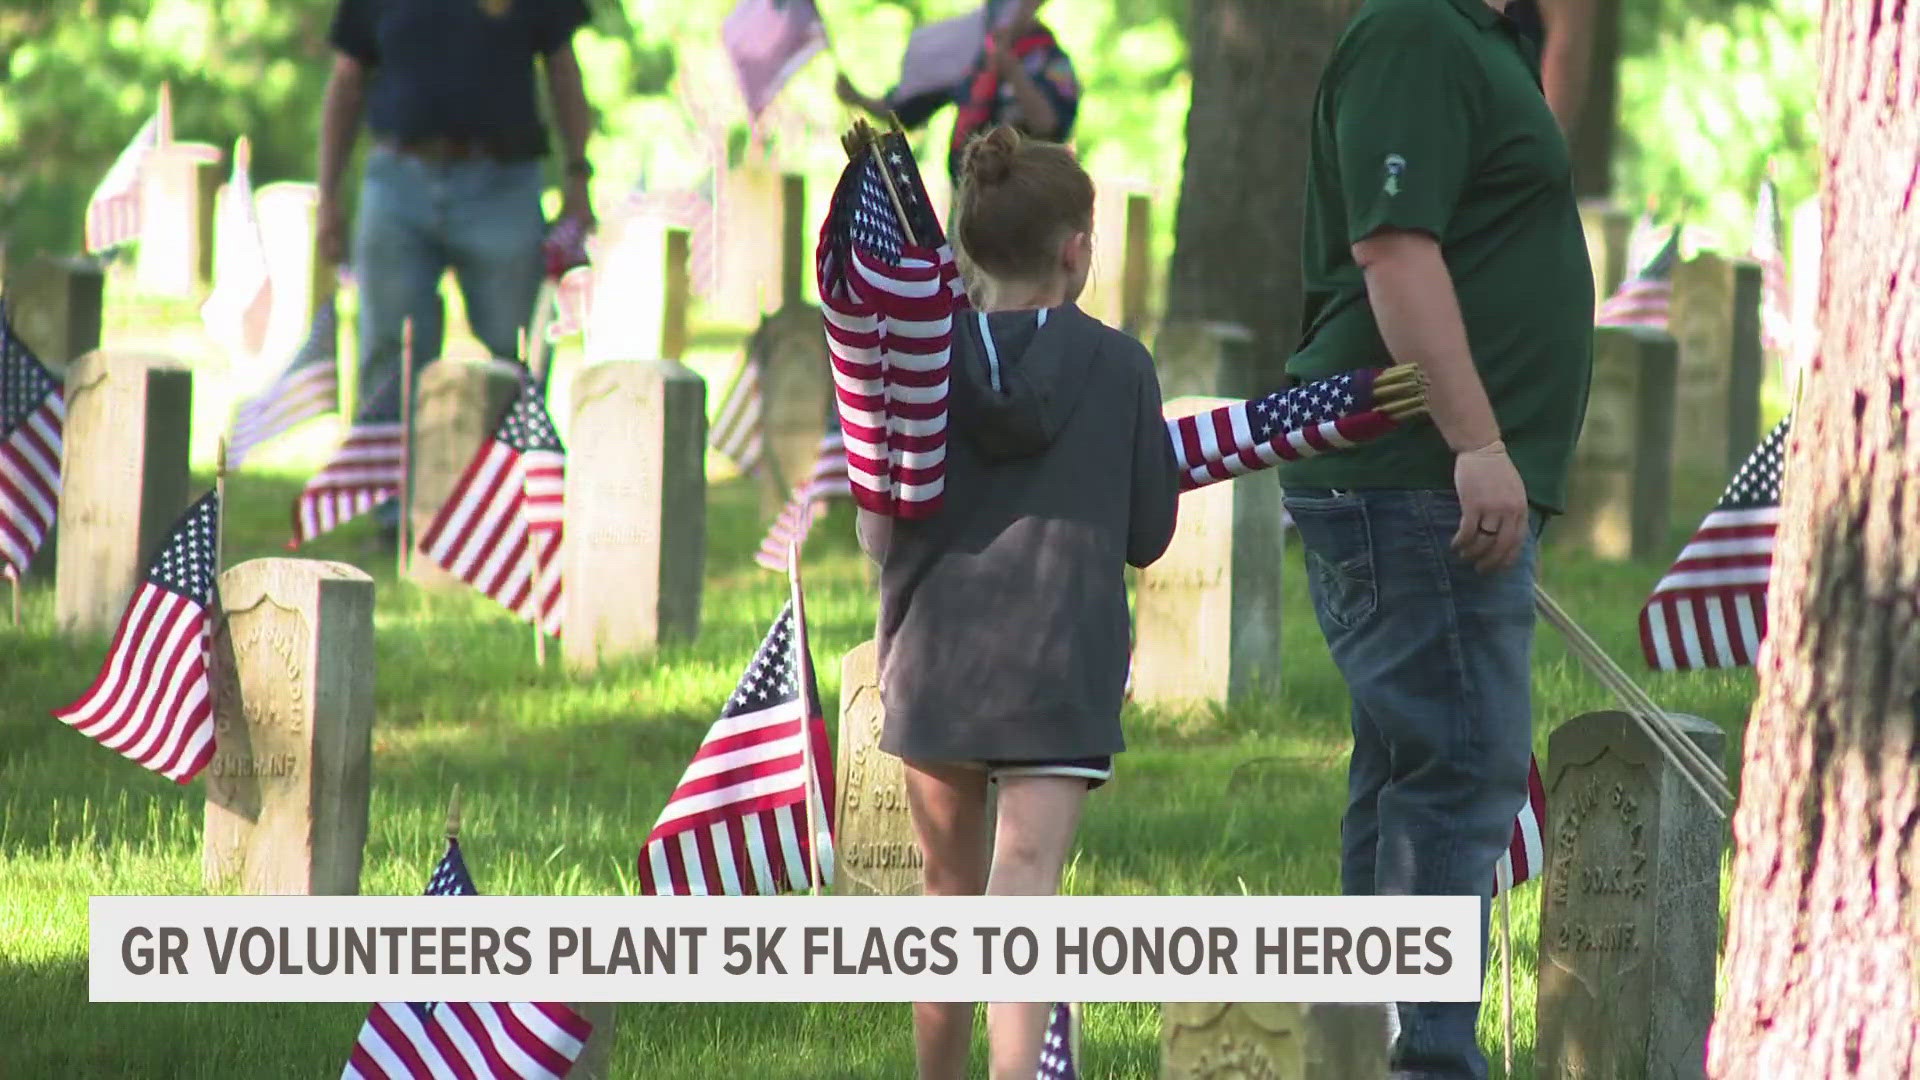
[
  {"x": 1051, "y": 70},
  {"x": 458, "y": 69}
]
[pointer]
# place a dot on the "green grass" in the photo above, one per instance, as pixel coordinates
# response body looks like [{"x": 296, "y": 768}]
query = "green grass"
[{"x": 562, "y": 776}]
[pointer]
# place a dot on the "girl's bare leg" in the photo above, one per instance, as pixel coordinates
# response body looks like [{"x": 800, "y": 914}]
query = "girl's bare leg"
[
  {"x": 949, "y": 808},
  {"x": 1038, "y": 817}
]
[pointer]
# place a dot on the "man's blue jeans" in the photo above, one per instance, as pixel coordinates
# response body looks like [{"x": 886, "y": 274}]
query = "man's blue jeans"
[
  {"x": 415, "y": 220},
  {"x": 1437, "y": 659}
]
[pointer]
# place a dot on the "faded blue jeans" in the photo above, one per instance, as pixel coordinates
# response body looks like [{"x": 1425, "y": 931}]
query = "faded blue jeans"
[
  {"x": 1437, "y": 660},
  {"x": 415, "y": 220}
]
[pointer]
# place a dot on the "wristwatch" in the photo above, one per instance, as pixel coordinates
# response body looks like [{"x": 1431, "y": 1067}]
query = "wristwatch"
[{"x": 580, "y": 169}]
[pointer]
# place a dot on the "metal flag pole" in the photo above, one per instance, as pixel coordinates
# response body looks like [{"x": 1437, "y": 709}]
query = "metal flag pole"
[
  {"x": 533, "y": 557},
  {"x": 799, "y": 647},
  {"x": 405, "y": 555}
]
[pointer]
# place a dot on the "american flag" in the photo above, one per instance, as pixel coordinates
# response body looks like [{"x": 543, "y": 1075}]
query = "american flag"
[
  {"x": 513, "y": 490},
  {"x": 1334, "y": 413},
  {"x": 1776, "y": 299},
  {"x": 888, "y": 306},
  {"x": 1644, "y": 298},
  {"x": 1057, "y": 1049},
  {"x": 1710, "y": 610},
  {"x": 738, "y": 429},
  {"x": 237, "y": 309},
  {"x": 737, "y": 824},
  {"x": 152, "y": 701},
  {"x": 364, "y": 472},
  {"x": 309, "y": 387},
  {"x": 33, "y": 413},
  {"x": 769, "y": 40},
  {"x": 461, "y": 1040},
  {"x": 828, "y": 481},
  {"x": 1527, "y": 851},
  {"x": 113, "y": 212}
]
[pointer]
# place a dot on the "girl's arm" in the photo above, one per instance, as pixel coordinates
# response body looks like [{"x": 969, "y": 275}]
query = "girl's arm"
[{"x": 1156, "y": 479}]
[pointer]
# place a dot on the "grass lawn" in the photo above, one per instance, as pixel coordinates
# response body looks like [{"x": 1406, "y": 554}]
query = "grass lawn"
[{"x": 562, "y": 777}]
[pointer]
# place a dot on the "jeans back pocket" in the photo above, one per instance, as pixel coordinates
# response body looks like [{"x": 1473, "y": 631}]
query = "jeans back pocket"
[{"x": 1339, "y": 557}]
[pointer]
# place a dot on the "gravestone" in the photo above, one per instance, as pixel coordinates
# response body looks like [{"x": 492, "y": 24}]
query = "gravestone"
[
  {"x": 1273, "y": 1041},
  {"x": 749, "y": 211},
  {"x": 54, "y": 306},
  {"x": 1206, "y": 359},
  {"x": 458, "y": 404},
  {"x": 635, "y": 509},
  {"x": 796, "y": 380},
  {"x": 298, "y": 280},
  {"x": 1715, "y": 318},
  {"x": 1608, "y": 229},
  {"x": 1137, "y": 266},
  {"x": 1629, "y": 921},
  {"x": 678, "y": 295},
  {"x": 288, "y": 787},
  {"x": 123, "y": 466},
  {"x": 1619, "y": 490},
  {"x": 875, "y": 853},
  {"x": 627, "y": 315},
  {"x": 178, "y": 188},
  {"x": 1207, "y": 614},
  {"x": 1106, "y": 295}
]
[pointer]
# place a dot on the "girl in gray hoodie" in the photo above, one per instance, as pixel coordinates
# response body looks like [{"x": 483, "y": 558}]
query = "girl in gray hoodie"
[{"x": 1003, "y": 634}]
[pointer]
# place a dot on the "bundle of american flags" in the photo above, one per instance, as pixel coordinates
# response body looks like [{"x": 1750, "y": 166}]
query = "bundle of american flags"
[
  {"x": 152, "y": 701},
  {"x": 1710, "y": 610},
  {"x": 113, "y": 212},
  {"x": 1645, "y": 298},
  {"x": 414, "y": 1041},
  {"x": 364, "y": 472},
  {"x": 753, "y": 813},
  {"x": 1330, "y": 414},
  {"x": 308, "y": 388},
  {"x": 500, "y": 529},
  {"x": 1060, "y": 1047},
  {"x": 888, "y": 290},
  {"x": 828, "y": 481},
  {"x": 33, "y": 415}
]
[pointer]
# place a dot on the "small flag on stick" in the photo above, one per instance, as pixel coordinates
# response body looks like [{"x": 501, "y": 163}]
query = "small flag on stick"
[
  {"x": 1645, "y": 298},
  {"x": 33, "y": 416},
  {"x": 308, "y": 388},
  {"x": 364, "y": 472},
  {"x": 827, "y": 481},
  {"x": 113, "y": 212},
  {"x": 1335, "y": 413}
]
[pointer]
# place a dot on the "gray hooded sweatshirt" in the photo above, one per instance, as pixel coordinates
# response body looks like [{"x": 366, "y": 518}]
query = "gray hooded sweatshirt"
[{"x": 1003, "y": 632}]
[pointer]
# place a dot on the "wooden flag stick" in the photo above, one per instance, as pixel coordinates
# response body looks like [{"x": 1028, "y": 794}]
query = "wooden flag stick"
[
  {"x": 14, "y": 577},
  {"x": 1506, "y": 976},
  {"x": 806, "y": 718},
  {"x": 453, "y": 813},
  {"x": 864, "y": 136},
  {"x": 405, "y": 536}
]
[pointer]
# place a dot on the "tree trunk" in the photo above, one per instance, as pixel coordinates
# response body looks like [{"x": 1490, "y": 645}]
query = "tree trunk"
[
  {"x": 1822, "y": 968},
  {"x": 1593, "y": 109},
  {"x": 1236, "y": 255}
]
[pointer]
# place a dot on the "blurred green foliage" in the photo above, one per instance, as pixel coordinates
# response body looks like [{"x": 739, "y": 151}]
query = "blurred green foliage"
[{"x": 1710, "y": 90}]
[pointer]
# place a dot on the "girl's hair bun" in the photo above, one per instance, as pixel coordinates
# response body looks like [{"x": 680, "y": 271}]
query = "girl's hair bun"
[{"x": 990, "y": 157}]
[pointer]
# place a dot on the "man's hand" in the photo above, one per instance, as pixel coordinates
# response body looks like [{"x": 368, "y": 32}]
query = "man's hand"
[
  {"x": 1493, "y": 508},
  {"x": 331, "y": 225},
  {"x": 575, "y": 203},
  {"x": 844, "y": 89}
]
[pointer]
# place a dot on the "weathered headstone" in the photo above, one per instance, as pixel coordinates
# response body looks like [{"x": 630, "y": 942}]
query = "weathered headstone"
[
  {"x": 1137, "y": 266},
  {"x": 627, "y": 316},
  {"x": 458, "y": 403},
  {"x": 749, "y": 212},
  {"x": 1206, "y": 359},
  {"x": 1608, "y": 229},
  {"x": 289, "y": 784},
  {"x": 1715, "y": 318},
  {"x": 1106, "y": 295},
  {"x": 679, "y": 294},
  {"x": 178, "y": 186},
  {"x": 796, "y": 382},
  {"x": 123, "y": 467},
  {"x": 298, "y": 281},
  {"x": 55, "y": 307},
  {"x": 635, "y": 509},
  {"x": 875, "y": 853},
  {"x": 793, "y": 239},
  {"x": 1620, "y": 487},
  {"x": 1629, "y": 922},
  {"x": 1273, "y": 1041},
  {"x": 1207, "y": 614}
]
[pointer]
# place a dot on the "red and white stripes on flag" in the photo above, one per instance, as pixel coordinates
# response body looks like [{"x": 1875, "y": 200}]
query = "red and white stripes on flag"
[
  {"x": 33, "y": 415},
  {"x": 364, "y": 473},
  {"x": 1710, "y": 609},
  {"x": 505, "y": 510},
  {"x": 1646, "y": 298},
  {"x": 737, "y": 824},
  {"x": 1527, "y": 852},
  {"x": 1336, "y": 413},
  {"x": 309, "y": 387},
  {"x": 1776, "y": 298},
  {"x": 828, "y": 481},
  {"x": 113, "y": 211},
  {"x": 739, "y": 430},
  {"x": 152, "y": 701},
  {"x": 888, "y": 295},
  {"x": 521, "y": 1041}
]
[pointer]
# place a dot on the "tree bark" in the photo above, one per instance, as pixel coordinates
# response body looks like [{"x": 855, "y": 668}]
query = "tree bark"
[
  {"x": 1822, "y": 968},
  {"x": 1581, "y": 70},
  {"x": 1236, "y": 256}
]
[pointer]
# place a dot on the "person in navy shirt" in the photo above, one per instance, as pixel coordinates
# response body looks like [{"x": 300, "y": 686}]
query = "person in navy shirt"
[{"x": 1022, "y": 79}]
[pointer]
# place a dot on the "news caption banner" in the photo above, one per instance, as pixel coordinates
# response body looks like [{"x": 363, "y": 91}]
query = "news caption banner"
[{"x": 755, "y": 949}]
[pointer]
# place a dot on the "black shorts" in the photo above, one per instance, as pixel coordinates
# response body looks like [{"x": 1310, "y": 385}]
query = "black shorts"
[{"x": 1094, "y": 770}]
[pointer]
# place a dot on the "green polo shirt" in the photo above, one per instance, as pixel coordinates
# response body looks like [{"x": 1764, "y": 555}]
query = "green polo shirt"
[{"x": 1430, "y": 117}]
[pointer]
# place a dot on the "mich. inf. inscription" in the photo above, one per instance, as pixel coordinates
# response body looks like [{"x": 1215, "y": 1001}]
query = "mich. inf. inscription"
[{"x": 1599, "y": 863}]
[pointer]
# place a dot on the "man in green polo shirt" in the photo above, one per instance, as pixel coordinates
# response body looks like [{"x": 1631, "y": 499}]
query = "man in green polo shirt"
[{"x": 1441, "y": 231}]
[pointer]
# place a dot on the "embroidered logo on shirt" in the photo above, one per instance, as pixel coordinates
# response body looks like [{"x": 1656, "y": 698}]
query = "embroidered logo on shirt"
[
  {"x": 1395, "y": 166},
  {"x": 496, "y": 8}
]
